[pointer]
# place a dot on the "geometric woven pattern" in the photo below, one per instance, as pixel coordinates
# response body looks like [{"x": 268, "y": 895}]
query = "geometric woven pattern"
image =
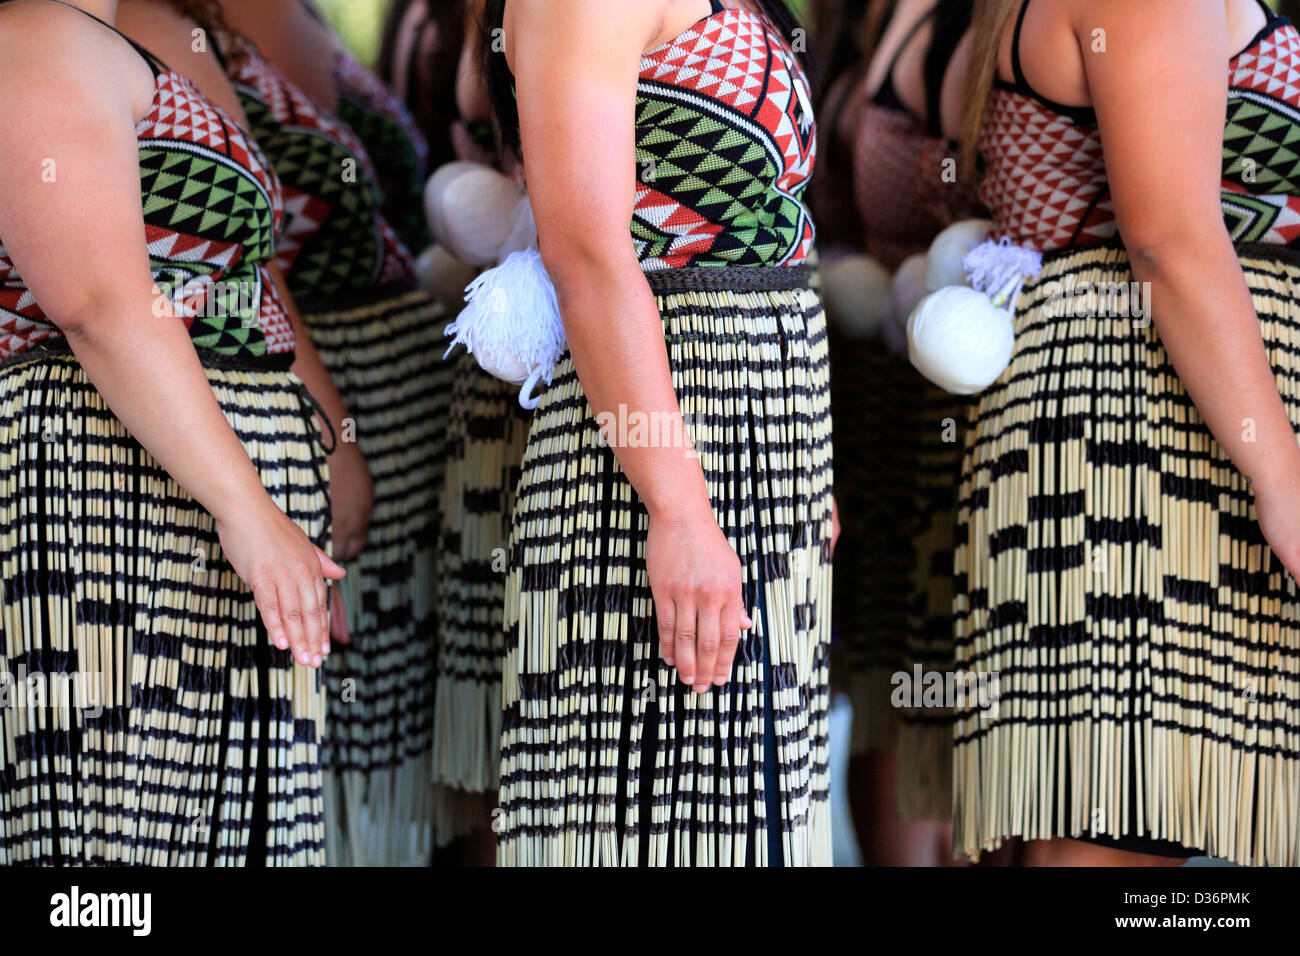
[
  {"x": 335, "y": 239},
  {"x": 212, "y": 208},
  {"x": 725, "y": 148},
  {"x": 1046, "y": 181},
  {"x": 396, "y": 146}
]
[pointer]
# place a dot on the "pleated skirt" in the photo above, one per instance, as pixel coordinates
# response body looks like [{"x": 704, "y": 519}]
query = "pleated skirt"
[
  {"x": 487, "y": 430},
  {"x": 385, "y": 358},
  {"x": 605, "y": 759},
  {"x": 148, "y": 720},
  {"x": 1111, "y": 573}
]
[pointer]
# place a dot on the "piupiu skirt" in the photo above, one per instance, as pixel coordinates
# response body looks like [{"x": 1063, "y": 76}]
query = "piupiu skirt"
[
  {"x": 872, "y": 405},
  {"x": 1110, "y": 571},
  {"x": 148, "y": 721},
  {"x": 486, "y": 434},
  {"x": 385, "y": 357},
  {"x": 606, "y": 759}
]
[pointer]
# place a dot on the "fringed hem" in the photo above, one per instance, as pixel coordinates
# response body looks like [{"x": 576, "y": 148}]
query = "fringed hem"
[
  {"x": 605, "y": 759},
  {"x": 1112, "y": 573},
  {"x": 114, "y": 580}
]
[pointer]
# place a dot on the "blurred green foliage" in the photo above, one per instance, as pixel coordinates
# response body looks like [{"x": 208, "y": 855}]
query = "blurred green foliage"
[{"x": 360, "y": 23}]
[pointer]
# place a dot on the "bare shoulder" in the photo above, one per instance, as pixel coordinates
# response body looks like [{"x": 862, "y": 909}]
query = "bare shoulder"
[
  {"x": 55, "y": 54},
  {"x": 637, "y": 23}
]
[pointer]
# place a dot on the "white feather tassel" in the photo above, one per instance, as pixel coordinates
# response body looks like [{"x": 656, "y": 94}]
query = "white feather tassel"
[{"x": 511, "y": 324}]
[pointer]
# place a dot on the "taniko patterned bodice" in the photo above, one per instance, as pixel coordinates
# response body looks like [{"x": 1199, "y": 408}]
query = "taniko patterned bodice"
[
  {"x": 1045, "y": 177},
  {"x": 212, "y": 210},
  {"x": 395, "y": 144},
  {"x": 335, "y": 240},
  {"x": 725, "y": 146}
]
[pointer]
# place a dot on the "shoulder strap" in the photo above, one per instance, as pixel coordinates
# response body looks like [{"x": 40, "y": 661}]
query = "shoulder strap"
[
  {"x": 907, "y": 40},
  {"x": 716, "y": 7},
  {"x": 949, "y": 27},
  {"x": 155, "y": 64},
  {"x": 1017, "y": 70}
]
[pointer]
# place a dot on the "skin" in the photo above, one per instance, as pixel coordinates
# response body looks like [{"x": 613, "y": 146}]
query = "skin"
[
  {"x": 1164, "y": 80},
  {"x": 55, "y": 104},
  {"x": 573, "y": 110}
]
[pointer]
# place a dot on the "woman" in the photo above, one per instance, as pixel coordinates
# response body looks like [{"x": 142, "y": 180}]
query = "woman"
[
  {"x": 163, "y": 482},
  {"x": 894, "y": 119},
  {"x": 637, "y": 560},
  {"x": 352, "y": 276},
  {"x": 428, "y": 51},
  {"x": 1114, "y": 563}
]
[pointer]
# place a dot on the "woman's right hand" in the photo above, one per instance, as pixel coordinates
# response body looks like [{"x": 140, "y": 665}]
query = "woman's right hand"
[
  {"x": 1279, "y": 518},
  {"x": 695, "y": 580},
  {"x": 287, "y": 575}
]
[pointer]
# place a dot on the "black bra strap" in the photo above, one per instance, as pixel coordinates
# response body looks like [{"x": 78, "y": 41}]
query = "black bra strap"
[
  {"x": 1017, "y": 70},
  {"x": 155, "y": 64},
  {"x": 949, "y": 27},
  {"x": 716, "y": 7}
]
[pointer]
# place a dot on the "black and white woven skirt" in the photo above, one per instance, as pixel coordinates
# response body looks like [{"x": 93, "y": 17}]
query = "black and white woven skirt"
[
  {"x": 606, "y": 759},
  {"x": 385, "y": 358},
  {"x": 486, "y": 433},
  {"x": 147, "y": 720},
  {"x": 1111, "y": 574}
]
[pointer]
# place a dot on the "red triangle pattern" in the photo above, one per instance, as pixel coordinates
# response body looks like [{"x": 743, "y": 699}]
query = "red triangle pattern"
[{"x": 1045, "y": 179}]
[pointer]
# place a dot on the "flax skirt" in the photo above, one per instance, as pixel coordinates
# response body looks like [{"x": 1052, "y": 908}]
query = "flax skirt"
[
  {"x": 171, "y": 733},
  {"x": 1111, "y": 572},
  {"x": 384, "y": 357},
  {"x": 897, "y": 465},
  {"x": 486, "y": 434},
  {"x": 605, "y": 761}
]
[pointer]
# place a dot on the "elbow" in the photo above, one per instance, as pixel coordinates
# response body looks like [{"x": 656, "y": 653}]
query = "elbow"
[
  {"x": 575, "y": 266},
  {"x": 1156, "y": 252}
]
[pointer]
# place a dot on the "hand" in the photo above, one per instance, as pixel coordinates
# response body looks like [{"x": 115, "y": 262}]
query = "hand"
[
  {"x": 339, "y": 632},
  {"x": 287, "y": 574},
  {"x": 835, "y": 523},
  {"x": 1279, "y": 519},
  {"x": 352, "y": 500},
  {"x": 695, "y": 581}
]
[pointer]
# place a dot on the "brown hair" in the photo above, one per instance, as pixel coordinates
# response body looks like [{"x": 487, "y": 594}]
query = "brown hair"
[
  {"x": 206, "y": 13},
  {"x": 988, "y": 25}
]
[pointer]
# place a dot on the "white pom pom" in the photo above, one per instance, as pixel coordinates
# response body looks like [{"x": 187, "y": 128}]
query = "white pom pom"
[
  {"x": 436, "y": 191},
  {"x": 476, "y": 212},
  {"x": 512, "y": 323},
  {"x": 444, "y": 277},
  {"x": 999, "y": 267},
  {"x": 523, "y": 230},
  {"x": 905, "y": 294},
  {"x": 959, "y": 340},
  {"x": 855, "y": 290},
  {"x": 944, "y": 261}
]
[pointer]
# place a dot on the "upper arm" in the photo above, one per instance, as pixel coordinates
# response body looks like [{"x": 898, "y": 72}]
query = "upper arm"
[
  {"x": 1160, "y": 93},
  {"x": 70, "y": 209},
  {"x": 576, "y": 66}
]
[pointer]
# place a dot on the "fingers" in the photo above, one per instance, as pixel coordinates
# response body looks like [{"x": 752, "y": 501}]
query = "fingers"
[
  {"x": 707, "y": 642},
  {"x": 328, "y": 567},
  {"x": 268, "y": 605},
  {"x": 684, "y": 641},
  {"x": 339, "y": 618},
  {"x": 291, "y": 612},
  {"x": 666, "y": 615},
  {"x": 731, "y": 621}
]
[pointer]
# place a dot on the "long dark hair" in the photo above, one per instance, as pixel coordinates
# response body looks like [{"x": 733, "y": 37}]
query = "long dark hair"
[
  {"x": 501, "y": 84},
  {"x": 429, "y": 90}
]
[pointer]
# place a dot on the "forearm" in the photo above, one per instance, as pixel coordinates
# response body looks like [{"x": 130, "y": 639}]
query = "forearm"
[
  {"x": 617, "y": 343},
  {"x": 1208, "y": 325},
  {"x": 309, "y": 367},
  {"x": 157, "y": 387}
]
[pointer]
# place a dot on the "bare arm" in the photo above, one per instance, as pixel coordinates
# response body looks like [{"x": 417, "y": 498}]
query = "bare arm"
[
  {"x": 57, "y": 108},
  {"x": 577, "y": 125},
  {"x": 1160, "y": 95}
]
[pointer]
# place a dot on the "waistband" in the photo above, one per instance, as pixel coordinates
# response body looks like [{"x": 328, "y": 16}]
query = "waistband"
[
  {"x": 58, "y": 348},
  {"x": 729, "y": 279},
  {"x": 1265, "y": 251}
]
